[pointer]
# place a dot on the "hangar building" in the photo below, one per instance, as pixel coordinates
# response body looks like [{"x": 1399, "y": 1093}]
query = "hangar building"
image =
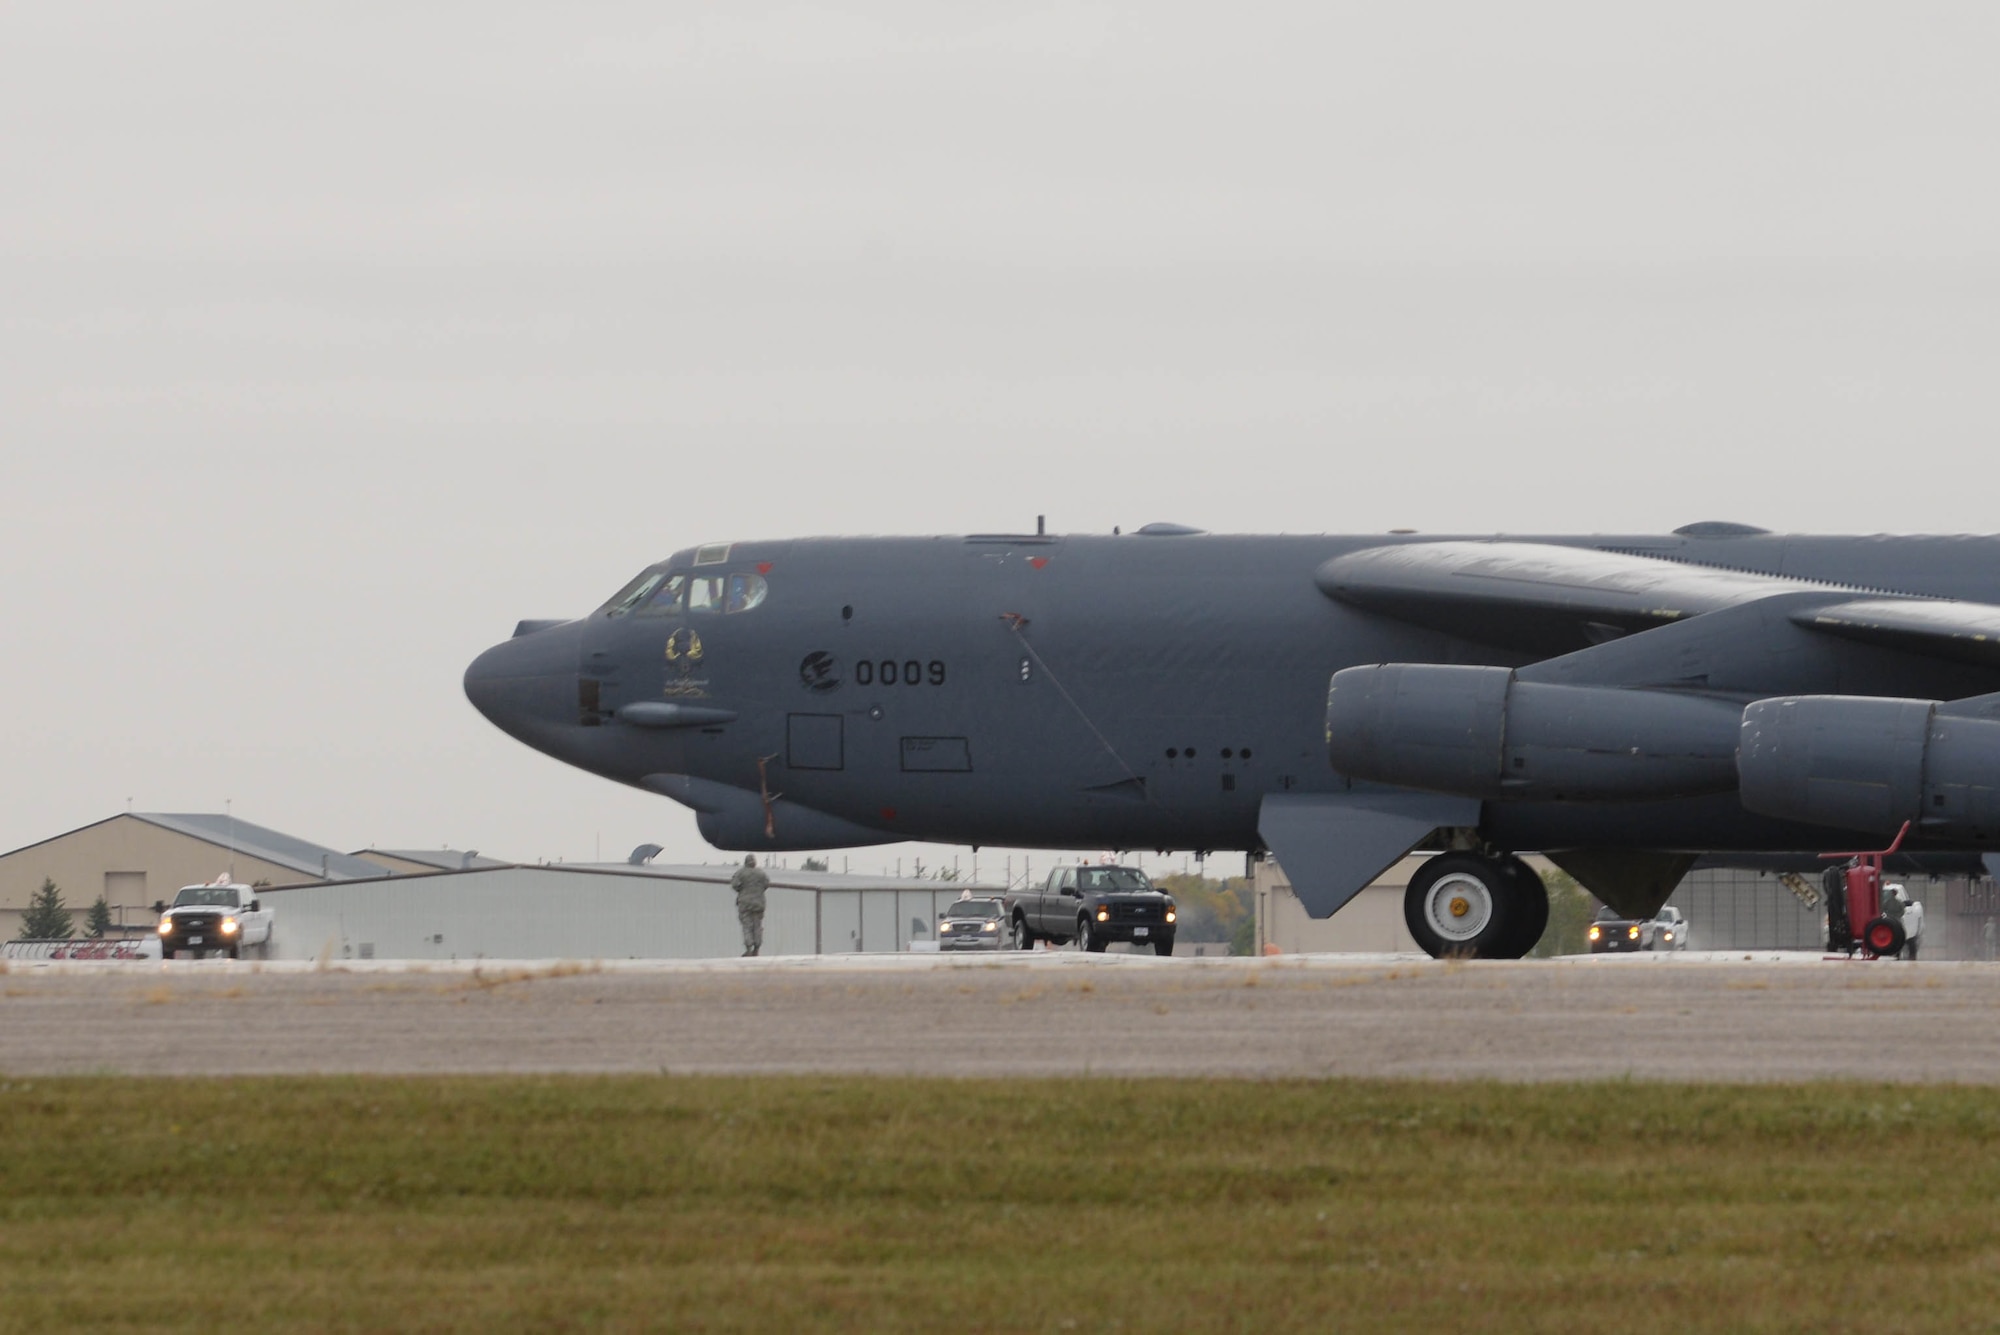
[
  {"x": 599, "y": 912},
  {"x": 136, "y": 858}
]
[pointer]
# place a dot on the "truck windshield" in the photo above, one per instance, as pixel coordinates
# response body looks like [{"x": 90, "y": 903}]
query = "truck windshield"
[
  {"x": 1112, "y": 878},
  {"x": 973, "y": 908},
  {"x": 223, "y": 896}
]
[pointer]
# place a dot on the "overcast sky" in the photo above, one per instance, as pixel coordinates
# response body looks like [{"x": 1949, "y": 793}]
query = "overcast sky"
[{"x": 336, "y": 338}]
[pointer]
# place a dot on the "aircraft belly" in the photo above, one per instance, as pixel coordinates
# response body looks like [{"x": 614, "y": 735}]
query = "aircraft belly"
[{"x": 1716, "y": 822}]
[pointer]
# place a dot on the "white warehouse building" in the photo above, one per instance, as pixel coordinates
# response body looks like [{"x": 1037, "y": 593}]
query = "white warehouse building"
[{"x": 599, "y": 912}]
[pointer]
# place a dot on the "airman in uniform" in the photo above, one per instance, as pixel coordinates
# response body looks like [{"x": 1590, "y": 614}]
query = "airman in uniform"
[{"x": 749, "y": 885}]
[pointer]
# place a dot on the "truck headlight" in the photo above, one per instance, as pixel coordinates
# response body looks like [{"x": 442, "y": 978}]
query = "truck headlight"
[
  {"x": 1170, "y": 913},
  {"x": 1669, "y": 936},
  {"x": 166, "y": 926},
  {"x": 229, "y": 926},
  {"x": 990, "y": 926},
  {"x": 1104, "y": 915},
  {"x": 1595, "y": 933},
  {"x": 1632, "y": 932}
]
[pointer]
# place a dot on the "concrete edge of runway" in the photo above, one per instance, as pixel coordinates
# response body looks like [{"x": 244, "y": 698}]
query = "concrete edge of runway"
[{"x": 929, "y": 961}]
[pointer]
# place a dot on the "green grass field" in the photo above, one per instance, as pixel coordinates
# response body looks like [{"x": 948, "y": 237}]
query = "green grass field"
[{"x": 879, "y": 1204}]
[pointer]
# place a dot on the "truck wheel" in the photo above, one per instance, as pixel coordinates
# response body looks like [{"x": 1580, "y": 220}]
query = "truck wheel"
[
  {"x": 1088, "y": 939},
  {"x": 1024, "y": 935},
  {"x": 235, "y": 952},
  {"x": 1163, "y": 946}
]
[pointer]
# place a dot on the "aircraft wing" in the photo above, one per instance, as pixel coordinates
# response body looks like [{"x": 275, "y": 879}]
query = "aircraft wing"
[
  {"x": 1938, "y": 627},
  {"x": 1548, "y": 600}
]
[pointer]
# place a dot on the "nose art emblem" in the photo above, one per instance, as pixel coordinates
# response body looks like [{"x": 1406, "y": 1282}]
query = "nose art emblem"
[
  {"x": 684, "y": 647},
  {"x": 819, "y": 671},
  {"x": 683, "y": 657}
]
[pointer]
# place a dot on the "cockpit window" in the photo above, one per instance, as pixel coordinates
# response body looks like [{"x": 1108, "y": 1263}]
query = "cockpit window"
[
  {"x": 745, "y": 592},
  {"x": 634, "y": 593},
  {"x": 666, "y": 600},
  {"x": 705, "y": 594}
]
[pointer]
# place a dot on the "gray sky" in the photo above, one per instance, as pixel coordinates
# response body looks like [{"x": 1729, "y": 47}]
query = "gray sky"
[{"x": 334, "y": 339}]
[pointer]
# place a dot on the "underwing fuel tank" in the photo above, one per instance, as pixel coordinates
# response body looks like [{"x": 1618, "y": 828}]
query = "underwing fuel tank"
[
  {"x": 1480, "y": 732},
  {"x": 1869, "y": 763}
]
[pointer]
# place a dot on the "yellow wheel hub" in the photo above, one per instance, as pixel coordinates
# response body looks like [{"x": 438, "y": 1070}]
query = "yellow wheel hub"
[{"x": 1459, "y": 906}]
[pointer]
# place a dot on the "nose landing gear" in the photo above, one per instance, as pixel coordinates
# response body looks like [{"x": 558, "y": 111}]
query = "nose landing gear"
[{"x": 1471, "y": 906}]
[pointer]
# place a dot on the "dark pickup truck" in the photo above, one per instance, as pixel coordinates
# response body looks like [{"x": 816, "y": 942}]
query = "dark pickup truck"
[{"x": 1090, "y": 907}]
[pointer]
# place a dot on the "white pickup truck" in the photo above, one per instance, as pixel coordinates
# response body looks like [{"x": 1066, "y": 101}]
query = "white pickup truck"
[{"x": 220, "y": 918}]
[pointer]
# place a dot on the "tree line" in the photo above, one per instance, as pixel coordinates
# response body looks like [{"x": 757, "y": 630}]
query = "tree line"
[{"x": 49, "y": 919}]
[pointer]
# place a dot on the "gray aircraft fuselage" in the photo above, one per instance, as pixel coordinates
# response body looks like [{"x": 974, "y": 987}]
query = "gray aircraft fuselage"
[{"x": 1104, "y": 692}]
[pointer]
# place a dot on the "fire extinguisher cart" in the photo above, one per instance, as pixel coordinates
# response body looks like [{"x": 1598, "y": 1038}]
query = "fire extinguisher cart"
[{"x": 1862, "y": 883}]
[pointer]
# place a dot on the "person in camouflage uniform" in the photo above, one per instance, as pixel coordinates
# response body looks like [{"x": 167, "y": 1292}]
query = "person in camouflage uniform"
[{"x": 749, "y": 885}]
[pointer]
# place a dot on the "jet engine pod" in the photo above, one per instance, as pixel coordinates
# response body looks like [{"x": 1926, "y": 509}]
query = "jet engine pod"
[
  {"x": 1867, "y": 763},
  {"x": 1482, "y": 732}
]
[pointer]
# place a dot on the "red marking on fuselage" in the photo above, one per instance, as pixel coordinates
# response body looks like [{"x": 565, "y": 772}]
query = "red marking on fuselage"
[
  {"x": 763, "y": 567},
  {"x": 888, "y": 813},
  {"x": 1038, "y": 561}
]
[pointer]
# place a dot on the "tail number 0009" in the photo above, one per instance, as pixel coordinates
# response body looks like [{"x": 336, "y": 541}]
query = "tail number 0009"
[{"x": 889, "y": 672}]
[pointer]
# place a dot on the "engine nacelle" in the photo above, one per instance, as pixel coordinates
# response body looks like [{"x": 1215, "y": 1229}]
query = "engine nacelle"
[
  {"x": 1481, "y": 732},
  {"x": 1867, "y": 763}
]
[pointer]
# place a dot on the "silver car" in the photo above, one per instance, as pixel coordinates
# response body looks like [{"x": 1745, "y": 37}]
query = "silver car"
[{"x": 973, "y": 924}]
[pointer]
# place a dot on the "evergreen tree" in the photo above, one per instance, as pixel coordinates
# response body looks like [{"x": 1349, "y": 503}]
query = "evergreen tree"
[
  {"x": 46, "y": 918},
  {"x": 98, "y": 921}
]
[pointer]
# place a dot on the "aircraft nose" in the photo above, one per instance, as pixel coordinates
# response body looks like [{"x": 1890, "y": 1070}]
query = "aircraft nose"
[{"x": 526, "y": 686}]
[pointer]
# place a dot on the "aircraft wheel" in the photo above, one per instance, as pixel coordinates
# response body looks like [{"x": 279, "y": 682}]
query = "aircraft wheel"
[
  {"x": 1884, "y": 936},
  {"x": 1024, "y": 935},
  {"x": 1464, "y": 905},
  {"x": 1533, "y": 903}
]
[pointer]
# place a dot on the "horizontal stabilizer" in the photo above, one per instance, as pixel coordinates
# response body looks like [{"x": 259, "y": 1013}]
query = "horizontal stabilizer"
[{"x": 1332, "y": 845}]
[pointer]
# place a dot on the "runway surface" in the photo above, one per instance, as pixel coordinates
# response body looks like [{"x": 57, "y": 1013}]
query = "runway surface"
[{"x": 1733, "y": 1019}]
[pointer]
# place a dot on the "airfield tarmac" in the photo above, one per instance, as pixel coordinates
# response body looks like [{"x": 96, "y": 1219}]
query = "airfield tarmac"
[{"x": 1733, "y": 1018}]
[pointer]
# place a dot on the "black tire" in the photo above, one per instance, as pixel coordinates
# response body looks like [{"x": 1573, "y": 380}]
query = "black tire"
[
  {"x": 1884, "y": 936},
  {"x": 1163, "y": 945},
  {"x": 235, "y": 952},
  {"x": 1024, "y": 935},
  {"x": 1466, "y": 906},
  {"x": 1087, "y": 939},
  {"x": 1532, "y": 909}
]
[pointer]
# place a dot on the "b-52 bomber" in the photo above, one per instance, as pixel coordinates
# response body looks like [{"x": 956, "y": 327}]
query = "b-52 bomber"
[{"x": 1622, "y": 705}]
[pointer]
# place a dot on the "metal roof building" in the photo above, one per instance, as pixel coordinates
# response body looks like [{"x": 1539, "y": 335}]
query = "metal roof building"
[
  {"x": 419, "y": 860},
  {"x": 137, "y": 857},
  {"x": 598, "y": 912}
]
